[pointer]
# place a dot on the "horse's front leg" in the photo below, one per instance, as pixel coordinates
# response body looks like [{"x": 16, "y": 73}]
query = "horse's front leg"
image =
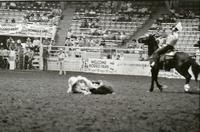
[
  {"x": 159, "y": 85},
  {"x": 156, "y": 79},
  {"x": 152, "y": 80},
  {"x": 155, "y": 71}
]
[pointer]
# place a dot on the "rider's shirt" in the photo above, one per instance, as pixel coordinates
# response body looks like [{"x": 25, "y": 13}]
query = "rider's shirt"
[
  {"x": 172, "y": 39},
  {"x": 161, "y": 41}
]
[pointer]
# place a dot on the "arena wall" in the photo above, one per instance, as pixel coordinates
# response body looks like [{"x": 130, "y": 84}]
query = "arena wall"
[{"x": 108, "y": 66}]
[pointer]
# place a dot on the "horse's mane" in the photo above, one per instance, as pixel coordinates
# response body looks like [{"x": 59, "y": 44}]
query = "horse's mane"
[{"x": 152, "y": 44}]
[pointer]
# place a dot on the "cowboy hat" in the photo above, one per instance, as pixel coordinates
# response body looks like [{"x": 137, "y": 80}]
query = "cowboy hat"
[{"x": 179, "y": 26}]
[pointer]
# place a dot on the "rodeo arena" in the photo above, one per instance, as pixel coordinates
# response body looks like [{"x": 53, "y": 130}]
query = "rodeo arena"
[{"x": 100, "y": 66}]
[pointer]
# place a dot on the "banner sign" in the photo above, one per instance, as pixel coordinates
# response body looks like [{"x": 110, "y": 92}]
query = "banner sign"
[
  {"x": 30, "y": 30},
  {"x": 10, "y": 28},
  {"x": 40, "y": 30},
  {"x": 103, "y": 66}
]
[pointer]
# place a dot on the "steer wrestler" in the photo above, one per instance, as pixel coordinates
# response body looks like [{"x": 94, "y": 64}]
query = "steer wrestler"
[{"x": 85, "y": 86}]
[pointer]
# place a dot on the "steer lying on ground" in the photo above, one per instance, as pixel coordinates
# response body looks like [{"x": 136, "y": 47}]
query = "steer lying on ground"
[{"x": 85, "y": 86}]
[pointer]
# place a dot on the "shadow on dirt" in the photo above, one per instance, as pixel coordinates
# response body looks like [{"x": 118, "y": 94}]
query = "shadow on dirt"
[{"x": 195, "y": 92}]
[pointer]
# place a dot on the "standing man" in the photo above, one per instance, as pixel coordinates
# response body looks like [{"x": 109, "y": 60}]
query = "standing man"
[
  {"x": 8, "y": 42},
  {"x": 61, "y": 58},
  {"x": 171, "y": 41},
  {"x": 45, "y": 57},
  {"x": 26, "y": 58}
]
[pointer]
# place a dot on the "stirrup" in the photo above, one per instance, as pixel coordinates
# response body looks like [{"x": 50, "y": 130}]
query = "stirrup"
[
  {"x": 151, "y": 57},
  {"x": 152, "y": 64}
]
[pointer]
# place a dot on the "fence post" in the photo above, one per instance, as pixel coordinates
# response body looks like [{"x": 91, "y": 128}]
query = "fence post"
[{"x": 40, "y": 57}]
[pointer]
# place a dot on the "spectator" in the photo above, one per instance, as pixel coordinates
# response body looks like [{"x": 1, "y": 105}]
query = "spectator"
[
  {"x": 19, "y": 42},
  {"x": 13, "y": 20},
  {"x": 12, "y": 5},
  {"x": 76, "y": 42},
  {"x": 31, "y": 58},
  {"x": 67, "y": 42},
  {"x": 103, "y": 42},
  {"x": 8, "y": 42},
  {"x": 26, "y": 58},
  {"x": 92, "y": 42},
  {"x": 78, "y": 53},
  {"x": 12, "y": 45},
  {"x": 36, "y": 44},
  {"x": 52, "y": 43},
  {"x": 69, "y": 34},
  {"x": 61, "y": 58},
  {"x": 28, "y": 42},
  {"x": 6, "y": 21},
  {"x": 154, "y": 26},
  {"x": 20, "y": 58},
  {"x": 1, "y": 46},
  {"x": 122, "y": 36},
  {"x": 3, "y": 5},
  {"x": 81, "y": 42},
  {"x": 45, "y": 56},
  {"x": 12, "y": 58},
  {"x": 46, "y": 41}
]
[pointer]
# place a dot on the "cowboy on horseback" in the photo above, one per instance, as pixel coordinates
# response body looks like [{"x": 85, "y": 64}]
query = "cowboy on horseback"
[{"x": 171, "y": 41}]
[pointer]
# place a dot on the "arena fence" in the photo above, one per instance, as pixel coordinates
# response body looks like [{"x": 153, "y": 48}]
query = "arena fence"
[{"x": 105, "y": 61}]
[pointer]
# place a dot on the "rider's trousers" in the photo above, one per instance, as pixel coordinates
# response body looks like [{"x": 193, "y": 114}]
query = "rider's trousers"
[{"x": 158, "y": 52}]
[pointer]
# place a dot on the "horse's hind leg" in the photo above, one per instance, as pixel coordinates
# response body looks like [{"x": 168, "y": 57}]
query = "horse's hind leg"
[
  {"x": 158, "y": 84},
  {"x": 152, "y": 80},
  {"x": 187, "y": 76}
]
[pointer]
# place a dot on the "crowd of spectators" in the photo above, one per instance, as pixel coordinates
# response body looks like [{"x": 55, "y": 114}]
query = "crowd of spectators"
[
  {"x": 93, "y": 17},
  {"x": 47, "y": 12},
  {"x": 19, "y": 52},
  {"x": 90, "y": 23},
  {"x": 115, "y": 7},
  {"x": 172, "y": 17},
  {"x": 23, "y": 51},
  {"x": 34, "y": 5},
  {"x": 100, "y": 39},
  {"x": 53, "y": 16}
]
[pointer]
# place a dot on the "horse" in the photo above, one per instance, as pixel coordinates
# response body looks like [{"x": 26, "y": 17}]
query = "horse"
[{"x": 181, "y": 61}]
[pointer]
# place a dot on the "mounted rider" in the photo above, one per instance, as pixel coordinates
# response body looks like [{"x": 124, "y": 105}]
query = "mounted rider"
[{"x": 171, "y": 41}]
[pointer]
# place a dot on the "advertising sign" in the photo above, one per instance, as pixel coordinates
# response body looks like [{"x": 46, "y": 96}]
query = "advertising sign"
[
  {"x": 29, "y": 30},
  {"x": 103, "y": 66}
]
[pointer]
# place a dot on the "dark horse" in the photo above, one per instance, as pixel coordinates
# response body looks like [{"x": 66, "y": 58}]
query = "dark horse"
[{"x": 181, "y": 62}]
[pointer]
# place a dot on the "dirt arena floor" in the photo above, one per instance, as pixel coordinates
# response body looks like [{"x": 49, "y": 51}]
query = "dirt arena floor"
[{"x": 38, "y": 102}]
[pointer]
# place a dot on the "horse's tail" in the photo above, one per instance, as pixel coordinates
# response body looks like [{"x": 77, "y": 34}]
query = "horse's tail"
[{"x": 195, "y": 69}]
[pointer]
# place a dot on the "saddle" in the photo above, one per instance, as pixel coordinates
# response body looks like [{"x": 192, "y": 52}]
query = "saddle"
[{"x": 167, "y": 58}]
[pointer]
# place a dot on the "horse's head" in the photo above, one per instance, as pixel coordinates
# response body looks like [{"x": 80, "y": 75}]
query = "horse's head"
[{"x": 151, "y": 41}]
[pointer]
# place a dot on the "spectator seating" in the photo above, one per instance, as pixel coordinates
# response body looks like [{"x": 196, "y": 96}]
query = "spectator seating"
[
  {"x": 119, "y": 25},
  {"x": 23, "y": 12}
]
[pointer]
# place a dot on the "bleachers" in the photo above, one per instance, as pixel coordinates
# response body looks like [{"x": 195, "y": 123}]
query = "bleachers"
[
  {"x": 31, "y": 12},
  {"x": 118, "y": 23}
]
